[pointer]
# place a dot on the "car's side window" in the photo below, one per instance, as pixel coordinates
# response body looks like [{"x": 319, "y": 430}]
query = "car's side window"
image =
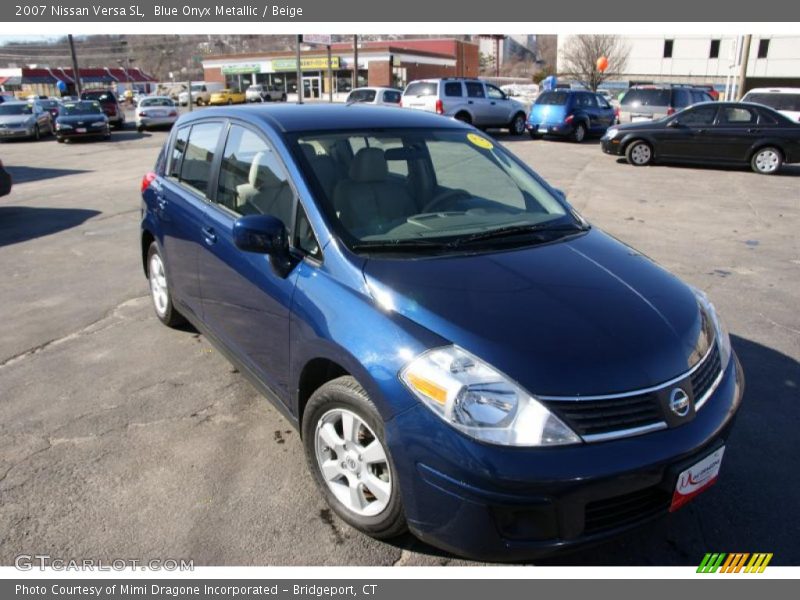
[
  {"x": 475, "y": 89},
  {"x": 682, "y": 98},
  {"x": 494, "y": 93},
  {"x": 199, "y": 154},
  {"x": 734, "y": 115},
  {"x": 602, "y": 102},
  {"x": 453, "y": 89},
  {"x": 304, "y": 238},
  {"x": 178, "y": 149},
  {"x": 252, "y": 179},
  {"x": 698, "y": 116}
]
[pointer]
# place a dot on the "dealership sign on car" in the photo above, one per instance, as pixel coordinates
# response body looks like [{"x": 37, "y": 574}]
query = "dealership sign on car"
[{"x": 696, "y": 478}]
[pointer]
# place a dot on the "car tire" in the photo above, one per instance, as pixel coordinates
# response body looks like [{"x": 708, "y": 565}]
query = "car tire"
[
  {"x": 283, "y": 98},
  {"x": 767, "y": 160},
  {"x": 357, "y": 478},
  {"x": 230, "y": 101},
  {"x": 464, "y": 117},
  {"x": 639, "y": 153},
  {"x": 517, "y": 125},
  {"x": 579, "y": 134},
  {"x": 60, "y": 140},
  {"x": 140, "y": 129},
  {"x": 159, "y": 289},
  {"x": 37, "y": 134}
]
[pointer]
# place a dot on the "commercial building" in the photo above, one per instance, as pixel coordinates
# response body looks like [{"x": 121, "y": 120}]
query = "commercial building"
[
  {"x": 774, "y": 60},
  {"x": 392, "y": 63},
  {"x": 44, "y": 80}
]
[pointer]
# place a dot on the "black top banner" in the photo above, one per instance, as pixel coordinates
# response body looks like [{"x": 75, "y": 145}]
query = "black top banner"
[{"x": 744, "y": 11}]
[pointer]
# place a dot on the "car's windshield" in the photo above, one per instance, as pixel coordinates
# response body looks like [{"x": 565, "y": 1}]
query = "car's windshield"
[
  {"x": 552, "y": 98},
  {"x": 49, "y": 103},
  {"x": 81, "y": 108},
  {"x": 156, "y": 102},
  {"x": 789, "y": 102},
  {"x": 100, "y": 96},
  {"x": 431, "y": 187},
  {"x": 421, "y": 88},
  {"x": 16, "y": 109},
  {"x": 646, "y": 98}
]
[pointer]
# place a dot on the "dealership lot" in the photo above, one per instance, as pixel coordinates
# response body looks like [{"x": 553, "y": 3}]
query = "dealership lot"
[{"x": 123, "y": 439}]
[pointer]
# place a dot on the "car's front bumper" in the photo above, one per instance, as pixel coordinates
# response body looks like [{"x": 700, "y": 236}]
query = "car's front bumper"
[
  {"x": 90, "y": 132},
  {"x": 21, "y": 132},
  {"x": 499, "y": 503},
  {"x": 612, "y": 146}
]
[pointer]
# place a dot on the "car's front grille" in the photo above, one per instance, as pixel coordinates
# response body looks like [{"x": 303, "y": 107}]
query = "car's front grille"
[
  {"x": 706, "y": 374},
  {"x": 598, "y": 418},
  {"x": 593, "y": 417},
  {"x": 626, "y": 509}
]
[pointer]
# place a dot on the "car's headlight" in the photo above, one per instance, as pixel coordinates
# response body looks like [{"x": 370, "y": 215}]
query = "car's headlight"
[
  {"x": 63, "y": 126},
  {"x": 612, "y": 133},
  {"x": 98, "y": 124},
  {"x": 721, "y": 331},
  {"x": 476, "y": 399}
]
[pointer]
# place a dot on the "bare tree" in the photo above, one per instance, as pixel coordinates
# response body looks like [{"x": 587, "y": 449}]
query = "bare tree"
[{"x": 580, "y": 56}]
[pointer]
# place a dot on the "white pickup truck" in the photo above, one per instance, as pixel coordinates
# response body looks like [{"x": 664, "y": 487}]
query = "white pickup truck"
[{"x": 265, "y": 93}]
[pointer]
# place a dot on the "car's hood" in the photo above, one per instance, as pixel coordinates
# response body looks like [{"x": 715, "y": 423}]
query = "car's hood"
[
  {"x": 579, "y": 317},
  {"x": 15, "y": 119},
  {"x": 640, "y": 126}
]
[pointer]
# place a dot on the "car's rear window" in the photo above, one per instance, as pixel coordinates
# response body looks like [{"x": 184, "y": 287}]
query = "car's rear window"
[
  {"x": 553, "y": 98},
  {"x": 646, "y": 98},
  {"x": 392, "y": 97},
  {"x": 777, "y": 101},
  {"x": 99, "y": 96},
  {"x": 421, "y": 88}
]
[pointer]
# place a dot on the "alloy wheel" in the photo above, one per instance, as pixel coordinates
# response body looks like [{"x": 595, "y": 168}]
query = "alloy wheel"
[
  {"x": 158, "y": 285},
  {"x": 353, "y": 462}
]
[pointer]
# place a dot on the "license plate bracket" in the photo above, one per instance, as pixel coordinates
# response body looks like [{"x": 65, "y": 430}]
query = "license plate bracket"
[{"x": 696, "y": 479}]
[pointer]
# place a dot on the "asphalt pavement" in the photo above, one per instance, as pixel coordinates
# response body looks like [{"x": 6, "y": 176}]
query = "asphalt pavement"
[{"x": 120, "y": 438}]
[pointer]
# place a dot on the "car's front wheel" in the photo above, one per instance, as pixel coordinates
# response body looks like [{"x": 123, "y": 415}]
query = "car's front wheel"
[
  {"x": 639, "y": 153},
  {"x": 346, "y": 450},
  {"x": 159, "y": 289},
  {"x": 580, "y": 133},
  {"x": 517, "y": 126},
  {"x": 767, "y": 161}
]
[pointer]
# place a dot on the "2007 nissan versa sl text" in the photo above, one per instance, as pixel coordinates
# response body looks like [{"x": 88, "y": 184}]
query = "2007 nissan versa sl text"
[{"x": 464, "y": 355}]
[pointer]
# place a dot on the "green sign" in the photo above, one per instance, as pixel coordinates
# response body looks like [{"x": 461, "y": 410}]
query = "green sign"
[
  {"x": 240, "y": 69},
  {"x": 306, "y": 64}
]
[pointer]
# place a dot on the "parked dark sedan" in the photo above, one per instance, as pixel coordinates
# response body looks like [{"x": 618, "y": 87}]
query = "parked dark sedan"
[
  {"x": 465, "y": 356},
  {"x": 732, "y": 133},
  {"x": 82, "y": 119}
]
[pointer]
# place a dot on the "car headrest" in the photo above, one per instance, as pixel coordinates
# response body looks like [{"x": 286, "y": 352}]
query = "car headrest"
[
  {"x": 309, "y": 151},
  {"x": 261, "y": 172},
  {"x": 368, "y": 165}
]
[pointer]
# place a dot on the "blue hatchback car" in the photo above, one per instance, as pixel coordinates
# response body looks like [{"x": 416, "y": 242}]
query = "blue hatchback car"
[
  {"x": 574, "y": 114},
  {"x": 464, "y": 355}
]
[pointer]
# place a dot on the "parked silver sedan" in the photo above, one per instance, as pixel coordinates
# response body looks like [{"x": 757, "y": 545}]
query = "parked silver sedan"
[
  {"x": 26, "y": 119},
  {"x": 155, "y": 111}
]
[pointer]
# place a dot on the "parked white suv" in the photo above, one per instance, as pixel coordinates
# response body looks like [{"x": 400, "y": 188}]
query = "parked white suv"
[
  {"x": 785, "y": 100},
  {"x": 471, "y": 100},
  {"x": 265, "y": 93},
  {"x": 201, "y": 93}
]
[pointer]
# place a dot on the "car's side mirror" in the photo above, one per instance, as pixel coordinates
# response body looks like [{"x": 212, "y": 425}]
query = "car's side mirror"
[
  {"x": 674, "y": 124},
  {"x": 264, "y": 234},
  {"x": 560, "y": 193}
]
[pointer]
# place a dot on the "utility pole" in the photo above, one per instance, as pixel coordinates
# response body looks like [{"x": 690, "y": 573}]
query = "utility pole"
[
  {"x": 355, "y": 61},
  {"x": 299, "y": 72},
  {"x": 330, "y": 76},
  {"x": 743, "y": 66},
  {"x": 75, "y": 72}
]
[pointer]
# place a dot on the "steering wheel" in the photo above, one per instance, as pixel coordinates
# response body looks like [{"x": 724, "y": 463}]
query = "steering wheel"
[{"x": 441, "y": 201}]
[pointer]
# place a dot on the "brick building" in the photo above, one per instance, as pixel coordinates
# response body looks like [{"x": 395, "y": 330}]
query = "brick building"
[{"x": 391, "y": 63}]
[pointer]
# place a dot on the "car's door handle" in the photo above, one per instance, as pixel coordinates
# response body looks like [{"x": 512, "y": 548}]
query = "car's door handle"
[
  {"x": 209, "y": 235},
  {"x": 754, "y": 130},
  {"x": 701, "y": 130},
  {"x": 469, "y": 101},
  {"x": 493, "y": 102}
]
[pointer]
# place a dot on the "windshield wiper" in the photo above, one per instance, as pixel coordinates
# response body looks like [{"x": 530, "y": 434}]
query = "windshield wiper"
[
  {"x": 398, "y": 246},
  {"x": 515, "y": 230}
]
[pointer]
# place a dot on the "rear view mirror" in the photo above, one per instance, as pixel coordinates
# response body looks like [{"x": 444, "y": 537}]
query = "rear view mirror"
[
  {"x": 674, "y": 123},
  {"x": 264, "y": 234}
]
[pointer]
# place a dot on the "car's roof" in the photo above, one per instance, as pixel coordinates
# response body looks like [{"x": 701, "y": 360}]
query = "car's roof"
[
  {"x": 25, "y": 102},
  {"x": 375, "y": 87},
  {"x": 330, "y": 117},
  {"x": 777, "y": 90}
]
